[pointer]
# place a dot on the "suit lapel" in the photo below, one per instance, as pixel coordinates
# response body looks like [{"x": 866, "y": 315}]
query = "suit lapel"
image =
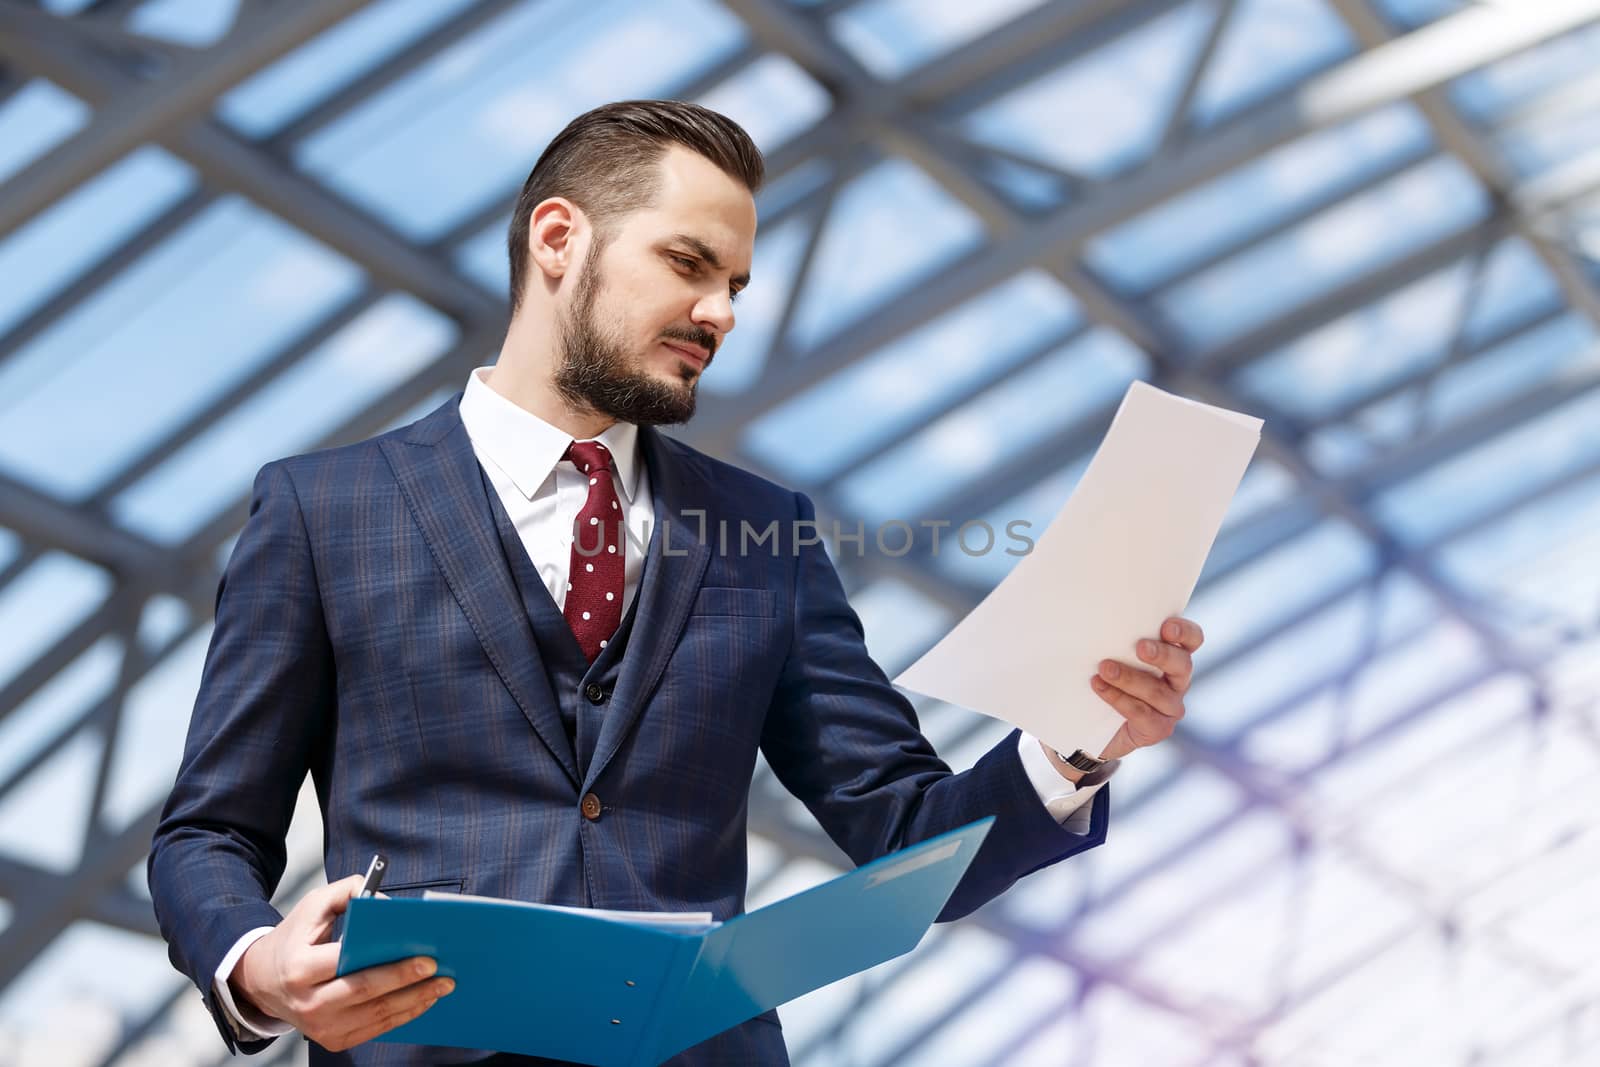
[
  {"x": 675, "y": 564},
  {"x": 439, "y": 476}
]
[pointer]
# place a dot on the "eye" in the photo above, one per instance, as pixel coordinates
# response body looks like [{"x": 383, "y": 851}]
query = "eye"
[
  {"x": 685, "y": 262},
  {"x": 733, "y": 295}
]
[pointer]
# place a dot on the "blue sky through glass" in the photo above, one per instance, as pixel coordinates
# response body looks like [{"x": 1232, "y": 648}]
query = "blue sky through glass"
[
  {"x": 1102, "y": 113},
  {"x": 1424, "y": 204},
  {"x": 811, "y": 436},
  {"x": 281, "y": 92},
  {"x": 465, "y": 127},
  {"x": 382, "y": 347},
  {"x": 36, "y": 118},
  {"x": 889, "y": 227},
  {"x": 53, "y": 248},
  {"x": 193, "y": 316}
]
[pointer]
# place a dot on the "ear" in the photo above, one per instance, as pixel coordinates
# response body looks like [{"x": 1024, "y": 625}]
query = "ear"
[{"x": 553, "y": 228}]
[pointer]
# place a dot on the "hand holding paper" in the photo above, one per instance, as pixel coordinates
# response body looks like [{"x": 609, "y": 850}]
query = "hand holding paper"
[
  {"x": 1121, "y": 558},
  {"x": 1151, "y": 700}
]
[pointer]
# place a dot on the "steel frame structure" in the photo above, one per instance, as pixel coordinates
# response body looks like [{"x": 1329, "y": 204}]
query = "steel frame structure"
[{"x": 145, "y": 91}]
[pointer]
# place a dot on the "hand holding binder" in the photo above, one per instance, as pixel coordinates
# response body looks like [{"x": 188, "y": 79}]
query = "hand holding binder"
[{"x": 557, "y": 982}]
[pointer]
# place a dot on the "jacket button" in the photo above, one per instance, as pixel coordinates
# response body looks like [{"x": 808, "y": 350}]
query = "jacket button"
[
  {"x": 595, "y": 694},
  {"x": 590, "y": 807}
]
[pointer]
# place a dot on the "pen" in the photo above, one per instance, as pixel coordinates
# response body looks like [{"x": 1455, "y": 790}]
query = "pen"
[{"x": 375, "y": 869}]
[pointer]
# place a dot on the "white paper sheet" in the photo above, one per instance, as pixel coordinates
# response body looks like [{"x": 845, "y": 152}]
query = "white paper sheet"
[{"x": 1122, "y": 555}]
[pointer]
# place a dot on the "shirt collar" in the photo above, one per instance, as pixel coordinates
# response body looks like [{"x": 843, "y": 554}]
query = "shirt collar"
[{"x": 527, "y": 448}]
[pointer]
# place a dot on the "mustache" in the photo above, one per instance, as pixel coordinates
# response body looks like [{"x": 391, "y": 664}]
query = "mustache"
[{"x": 693, "y": 335}]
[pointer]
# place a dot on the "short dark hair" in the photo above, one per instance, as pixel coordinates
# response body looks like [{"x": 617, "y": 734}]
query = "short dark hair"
[{"x": 605, "y": 162}]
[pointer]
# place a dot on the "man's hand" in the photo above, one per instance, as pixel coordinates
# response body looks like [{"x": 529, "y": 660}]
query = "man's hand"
[
  {"x": 290, "y": 974},
  {"x": 1152, "y": 703}
]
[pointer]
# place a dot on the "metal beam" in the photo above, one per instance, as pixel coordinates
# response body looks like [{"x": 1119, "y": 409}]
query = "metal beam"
[
  {"x": 228, "y": 162},
  {"x": 140, "y": 112},
  {"x": 1430, "y": 57},
  {"x": 1483, "y": 160},
  {"x": 83, "y": 530},
  {"x": 112, "y": 263}
]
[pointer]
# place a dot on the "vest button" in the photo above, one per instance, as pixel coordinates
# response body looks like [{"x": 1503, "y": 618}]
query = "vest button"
[
  {"x": 590, "y": 807},
  {"x": 595, "y": 694}
]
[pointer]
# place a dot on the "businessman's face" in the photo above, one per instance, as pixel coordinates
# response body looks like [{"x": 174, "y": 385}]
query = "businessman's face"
[{"x": 653, "y": 301}]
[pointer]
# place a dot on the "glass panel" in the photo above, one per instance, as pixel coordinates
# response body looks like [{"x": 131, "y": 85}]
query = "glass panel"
[
  {"x": 886, "y": 392},
  {"x": 1535, "y": 569},
  {"x": 73, "y": 1001},
  {"x": 275, "y": 95},
  {"x": 1153, "y": 904},
  {"x": 772, "y": 98},
  {"x": 377, "y": 351},
  {"x": 888, "y": 227},
  {"x": 1265, "y": 484},
  {"x": 1028, "y": 994},
  {"x": 76, "y": 232},
  {"x": 1514, "y": 286},
  {"x": 483, "y": 257},
  {"x": 1182, "y": 232},
  {"x": 993, "y": 429},
  {"x": 1410, "y": 14},
  {"x": 1329, "y": 648},
  {"x": 1281, "y": 933},
  {"x": 1167, "y": 822},
  {"x": 203, "y": 310},
  {"x": 966, "y": 961},
  {"x": 162, "y": 619},
  {"x": 38, "y": 117},
  {"x": 784, "y": 193},
  {"x": 43, "y": 818},
  {"x": 1247, "y": 604},
  {"x": 1401, "y": 335},
  {"x": 1474, "y": 482},
  {"x": 82, "y": 683},
  {"x": 1540, "y": 145},
  {"x": 465, "y": 127},
  {"x": 1115, "y": 101},
  {"x": 39, "y": 606},
  {"x": 1359, "y": 354},
  {"x": 1499, "y": 87},
  {"x": 155, "y": 719},
  {"x": 900, "y": 622},
  {"x": 1032, "y": 511},
  {"x": 890, "y": 37},
  {"x": 1563, "y": 347},
  {"x": 1268, "y": 46},
  {"x": 1425, "y": 204},
  {"x": 194, "y": 23}
]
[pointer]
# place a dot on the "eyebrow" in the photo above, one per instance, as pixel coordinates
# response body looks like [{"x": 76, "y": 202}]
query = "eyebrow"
[{"x": 704, "y": 251}]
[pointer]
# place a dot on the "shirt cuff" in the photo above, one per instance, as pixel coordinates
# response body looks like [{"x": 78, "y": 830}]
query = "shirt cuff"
[
  {"x": 247, "y": 1023},
  {"x": 1065, "y": 802}
]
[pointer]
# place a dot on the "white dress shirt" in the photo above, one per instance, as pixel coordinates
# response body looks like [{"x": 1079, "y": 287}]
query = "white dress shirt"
[{"x": 521, "y": 453}]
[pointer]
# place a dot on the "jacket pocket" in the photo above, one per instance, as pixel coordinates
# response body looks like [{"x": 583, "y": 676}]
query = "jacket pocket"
[
  {"x": 745, "y": 603},
  {"x": 416, "y": 889}
]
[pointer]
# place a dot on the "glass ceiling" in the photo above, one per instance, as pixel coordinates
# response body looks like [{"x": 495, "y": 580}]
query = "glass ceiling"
[{"x": 1371, "y": 841}]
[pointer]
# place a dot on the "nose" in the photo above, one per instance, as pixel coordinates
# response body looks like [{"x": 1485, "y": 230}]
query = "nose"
[{"x": 714, "y": 312}]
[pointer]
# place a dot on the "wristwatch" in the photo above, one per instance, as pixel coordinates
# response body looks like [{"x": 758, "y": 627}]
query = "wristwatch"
[{"x": 1094, "y": 770}]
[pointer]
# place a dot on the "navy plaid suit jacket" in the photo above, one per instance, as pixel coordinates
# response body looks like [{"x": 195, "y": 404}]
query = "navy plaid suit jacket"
[{"x": 369, "y": 632}]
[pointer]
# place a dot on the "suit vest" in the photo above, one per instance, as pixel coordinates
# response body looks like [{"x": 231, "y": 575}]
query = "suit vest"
[{"x": 574, "y": 682}]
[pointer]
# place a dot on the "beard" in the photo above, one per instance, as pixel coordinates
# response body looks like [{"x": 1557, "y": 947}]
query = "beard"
[{"x": 594, "y": 372}]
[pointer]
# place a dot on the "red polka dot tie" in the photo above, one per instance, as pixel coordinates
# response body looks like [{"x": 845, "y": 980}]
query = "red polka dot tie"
[{"x": 594, "y": 581}]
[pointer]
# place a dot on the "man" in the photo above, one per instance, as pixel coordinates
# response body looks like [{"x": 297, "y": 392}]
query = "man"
[{"x": 507, "y": 646}]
